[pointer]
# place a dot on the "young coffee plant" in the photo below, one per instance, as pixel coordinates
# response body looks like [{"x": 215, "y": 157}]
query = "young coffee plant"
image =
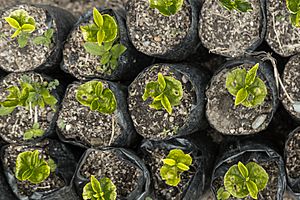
[
  {"x": 242, "y": 181},
  {"x": 238, "y": 5},
  {"x": 174, "y": 164},
  {"x": 165, "y": 92},
  {"x": 99, "y": 190},
  {"x": 166, "y": 7},
  {"x": 32, "y": 167},
  {"x": 34, "y": 132},
  {"x": 44, "y": 39},
  {"x": 248, "y": 89},
  {"x": 294, "y": 8},
  {"x": 93, "y": 95}
]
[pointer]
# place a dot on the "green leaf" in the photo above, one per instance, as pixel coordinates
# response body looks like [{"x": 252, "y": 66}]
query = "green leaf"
[
  {"x": 169, "y": 162},
  {"x": 12, "y": 22},
  {"x": 39, "y": 40},
  {"x": 104, "y": 189},
  {"x": 110, "y": 28},
  {"x": 85, "y": 93},
  {"x": 52, "y": 165},
  {"x": 89, "y": 32},
  {"x": 243, "y": 170},
  {"x": 95, "y": 105},
  {"x": 151, "y": 90},
  {"x": 161, "y": 81},
  {"x": 99, "y": 89},
  {"x": 6, "y": 110},
  {"x": 94, "y": 48},
  {"x": 88, "y": 192},
  {"x": 98, "y": 19},
  {"x": 100, "y": 36},
  {"x": 167, "y": 8},
  {"x": 241, "y": 96},
  {"x": 173, "y": 90},
  {"x": 183, "y": 167},
  {"x": 228, "y": 4},
  {"x": 293, "y": 6},
  {"x": 23, "y": 40},
  {"x": 49, "y": 33},
  {"x": 257, "y": 93},
  {"x": 117, "y": 50},
  {"x": 105, "y": 58},
  {"x": 235, "y": 80},
  {"x": 258, "y": 175},
  {"x": 16, "y": 33},
  {"x": 166, "y": 104},
  {"x": 252, "y": 188},
  {"x": 109, "y": 102},
  {"x": 107, "y": 46},
  {"x": 95, "y": 184},
  {"x": 34, "y": 132},
  {"x": 222, "y": 194},
  {"x": 251, "y": 75},
  {"x": 243, "y": 6},
  {"x": 28, "y": 28}
]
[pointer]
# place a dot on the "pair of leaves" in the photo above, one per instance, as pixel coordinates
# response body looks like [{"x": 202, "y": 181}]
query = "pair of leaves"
[
  {"x": 174, "y": 164},
  {"x": 99, "y": 190},
  {"x": 34, "y": 132},
  {"x": 248, "y": 89},
  {"x": 294, "y": 8},
  {"x": 166, "y": 7},
  {"x": 241, "y": 181},
  {"x": 239, "y": 5},
  {"x": 45, "y": 39},
  {"x": 93, "y": 95},
  {"x": 165, "y": 92}
]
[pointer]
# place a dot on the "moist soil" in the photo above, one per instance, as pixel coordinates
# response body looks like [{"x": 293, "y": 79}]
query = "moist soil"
[
  {"x": 291, "y": 81},
  {"x": 14, "y": 125},
  {"x": 90, "y": 128},
  {"x": 229, "y": 119},
  {"x": 50, "y": 184},
  {"x": 281, "y": 35},
  {"x": 159, "y": 124},
  {"x": 292, "y": 163},
  {"x": 16, "y": 59},
  {"x": 107, "y": 163},
  {"x": 229, "y": 33},
  {"x": 153, "y": 33},
  {"x": 153, "y": 160}
]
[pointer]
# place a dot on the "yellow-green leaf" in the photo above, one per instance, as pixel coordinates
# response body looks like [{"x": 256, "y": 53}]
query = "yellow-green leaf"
[
  {"x": 252, "y": 188},
  {"x": 98, "y": 19},
  {"x": 12, "y": 22},
  {"x": 251, "y": 75},
  {"x": 170, "y": 162},
  {"x": 166, "y": 104},
  {"x": 28, "y": 28},
  {"x": 241, "y": 96},
  {"x": 243, "y": 170}
]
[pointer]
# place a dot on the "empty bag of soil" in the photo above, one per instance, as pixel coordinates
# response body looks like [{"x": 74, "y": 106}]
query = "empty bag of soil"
[
  {"x": 251, "y": 153},
  {"x": 28, "y": 107},
  {"x": 124, "y": 170},
  {"x": 192, "y": 183},
  {"x": 32, "y": 37},
  {"x": 82, "y": 123},
  {"x": 110, "y": 57},
  {"x": 39, "y": 171},
  {"x": 232, "y": 29},
  {"x": 242, "y": 97},
  {"x": 163, "y": 33},
  {"x": 167, "y": 100}
]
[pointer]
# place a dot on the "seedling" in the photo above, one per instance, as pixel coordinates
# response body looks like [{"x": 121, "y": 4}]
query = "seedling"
[
  {"x": 294, "y": 8},
  {"x": 34, "y": 132},
  {"x": 31, "y": 167},
  {"x": 93, "y": 95},
  {"x": 242, "y": 181},
  {"x": 165, "y": 92},
  {"x": 174, "y": 164},
  {"x": 248, "y": 89},
  {"x": 238, "y": 5},
  {"x": 99, "y": 190},
  {"x": 166, "y": 7},
  {"x": 45, "y": 39}
]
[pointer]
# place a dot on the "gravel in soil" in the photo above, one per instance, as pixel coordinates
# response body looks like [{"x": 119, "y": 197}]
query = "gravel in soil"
[
  {"x": 153, "y": 33},
  {"x": 292, "y": 162},
  {"x": 107, "y": 163},
  {"x": 229, "y": 119},
  {"x": 158, "y": 124},
  {"x": 291, "y": 81},
  {"x": 281, "y": 35},
  {"x": 14, "y": 125},
  {"x": 229, "y": 33},
  {"x": 91, "y": 128},
  {"x": 50, "y": 184},
  {"x": 16, "y": 59}
]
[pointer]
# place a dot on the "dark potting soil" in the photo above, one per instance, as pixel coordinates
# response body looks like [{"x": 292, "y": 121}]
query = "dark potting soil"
[
  {"x": 14, "y": 125},
  {"x": 50, "y": 184},
  {"x": 229, "y": 33},
  {"x": 108, "y": 164},
  {"x": 229, "y": 119},
  {"x": 16, "y": 59},
  {"x": 161, "y": 190},
  {"x": 153, "y": 33},
  {"x": 80, "y": 123},
  {"x": 159, "y": 124},
  {"x": 281, "y": 35},
  {"x": 292, "y": 162},
  {"x": 291, "y": 81}
]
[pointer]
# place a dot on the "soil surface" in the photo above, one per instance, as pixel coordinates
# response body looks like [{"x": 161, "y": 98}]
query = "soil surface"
[
  {"x": 16, "y": 59},
  {"x": 90, "y": 128},
  {"x": 281, "y": 35},
  {"x": 107, "y": 163},
  {"x": 229, "y": 119},
  {"x": 159, "y": 124},
  {"x": 229, "y": 33},
  {"x": 292, "y": 162},
  {"x": 153, "y": 33}
]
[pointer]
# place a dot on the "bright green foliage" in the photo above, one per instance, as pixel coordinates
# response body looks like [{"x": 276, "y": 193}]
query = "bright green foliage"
[
  {"x": 99, "y": 190},
  {"x": 30, "y": 167},
  {"x": 24, "y": 25},
  {"x": 242, "y": 181},
  {"x": 45, "y": 39},
  {"x": 93, "y": 95},
  {"x": 34, "y": 132},
  {"x": 165, "y": 92},
  {"x": 174, "y": 164},
  {"x": 52, "y": 165},
  {"x": 294, "y": 8},
  {"x": 248, "y": 89},
  {"x": 239, "y": 5},
  {"x": 166, "y": 7}
]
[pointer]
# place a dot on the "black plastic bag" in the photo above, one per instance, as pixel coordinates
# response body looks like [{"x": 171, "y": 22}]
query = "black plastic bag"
[{"x": 66, "y": 165}]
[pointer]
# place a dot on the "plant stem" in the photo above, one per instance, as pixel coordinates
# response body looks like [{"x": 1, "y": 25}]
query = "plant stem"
[
  {"x": 30, "y": 110},
  {"x": 35, "y": 115}
]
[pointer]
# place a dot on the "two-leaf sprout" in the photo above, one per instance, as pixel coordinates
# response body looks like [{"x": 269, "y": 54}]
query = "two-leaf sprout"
[
  {"x": 248, "y": 89},
  {"x": 166, "y": 7},
  {"x": 241, "y": 181},
  {"x": 104, "y": 189},
  {"x": 294, "y": 8},
  {"x": 238, "y": 5},
  {"x": 166, "y": 92},
  {"x": 174, "y": 164}
]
